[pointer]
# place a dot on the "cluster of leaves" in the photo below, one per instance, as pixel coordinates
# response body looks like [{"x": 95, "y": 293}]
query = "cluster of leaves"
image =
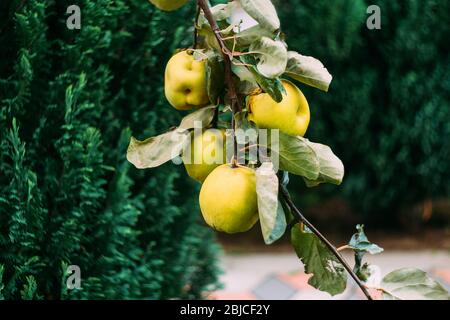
[
  {"x": 329, "y": 275},
  {"x": 260, "y": 58}
]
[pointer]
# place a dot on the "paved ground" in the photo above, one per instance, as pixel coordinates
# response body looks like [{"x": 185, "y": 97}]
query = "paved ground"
[{"x": 281, "y": 276}]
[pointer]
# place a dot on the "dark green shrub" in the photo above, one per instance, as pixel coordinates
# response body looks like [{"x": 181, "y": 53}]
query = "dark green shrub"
[
  {"x": 388, "y": 111},
  {"x": 69, "y": 100}
]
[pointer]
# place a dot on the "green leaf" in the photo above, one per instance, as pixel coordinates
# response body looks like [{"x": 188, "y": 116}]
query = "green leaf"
[
  {"x": 331, "y": 167},
  {"x": 308, "y": 70},
  {"x": 155, "y": 151},
  {"x": 362, "y": 271},
  {"x": 209, "y": 38},
  {"x": 214, "y": 76},
  {"x": 412, "y": 284},
  {"x": 271, "y": 56},
  {"x": 264, "y": 12},
  {"x": 360, "y": 242},
  {"x": 214, "y": 72},
  {"x": 328, "y": 273},
  {"x": 247, "y": 88},
  {"x": 220, "y": 12},
  {"x": 250, "y": 35},
  {"x": 296, "y": 156},
  {"x": 242, "y": 121},
  {"x": 243, "y": 72},
  {"x": 203, "y": 115},
  {"x": 361, "y": 245},
  {"x": 271, "y": 214},
  {"x": 273, "y": 87},
  {"x": 247, "y": 84}
]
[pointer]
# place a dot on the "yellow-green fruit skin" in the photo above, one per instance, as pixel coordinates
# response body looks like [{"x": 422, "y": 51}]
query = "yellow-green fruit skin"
[
  {"x": 185, "y": 82},
  {"x": 290, "y": 116},
  {"x": 168, "y": 5},
  {"x": 228, "y": 199},
  {"x": 209, "y": 149}
]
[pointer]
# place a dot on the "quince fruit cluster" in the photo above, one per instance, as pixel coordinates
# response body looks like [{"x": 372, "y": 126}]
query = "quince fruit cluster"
[{"x": 228, "y": 198}]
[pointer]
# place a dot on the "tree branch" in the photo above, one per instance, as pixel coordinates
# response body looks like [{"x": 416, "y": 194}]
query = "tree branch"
[
  {"x": 236, "y": 107},
  {"x": 301, "y": 218},
  {"x": 227, "y": 56}
]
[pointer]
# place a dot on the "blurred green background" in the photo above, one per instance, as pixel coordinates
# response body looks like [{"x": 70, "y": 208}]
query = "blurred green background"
[
  {"x": 387, "y": 114},
  {"x": 68, "y": 195}
]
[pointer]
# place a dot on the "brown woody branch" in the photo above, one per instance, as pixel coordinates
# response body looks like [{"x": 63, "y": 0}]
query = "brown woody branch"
[
  {"x": 301, "y": 218},
  {"x": 236, "y": 107},
  {"x": 227, "y": 56},
  {"x": 197, "y": 15}
]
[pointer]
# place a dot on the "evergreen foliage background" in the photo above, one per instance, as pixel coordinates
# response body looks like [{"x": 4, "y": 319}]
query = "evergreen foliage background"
[
  {"x": 69, "y": 101},
  {"x": 387, "y": 114}
]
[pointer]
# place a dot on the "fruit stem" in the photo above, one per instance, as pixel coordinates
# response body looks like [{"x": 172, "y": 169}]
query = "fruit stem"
[
  {"x": 302, "y": 219},
  {"x": 227, "y": 56}
]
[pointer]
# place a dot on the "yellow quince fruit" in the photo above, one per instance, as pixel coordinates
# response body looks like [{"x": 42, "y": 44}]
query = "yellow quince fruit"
[
  {"x": 204, "y": 153},
  {"x": 185, "y": 82},
  {"x": 290, "y": 116},
  {"x": 228, "y": 199},
  {"x": 168, "y": 5}
]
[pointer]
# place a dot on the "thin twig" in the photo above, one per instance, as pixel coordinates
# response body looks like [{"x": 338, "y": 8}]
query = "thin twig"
[
  {"x": 227, "y": 56},
  {"x": 197, "y": 16},
  {"x": 301, "y": 218},
  {"x": 236, "y": 107}
]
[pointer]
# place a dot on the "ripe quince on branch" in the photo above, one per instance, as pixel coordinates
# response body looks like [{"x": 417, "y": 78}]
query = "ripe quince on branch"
[
  {"x": 185, "y": 82},
  {"x": 204, "y": 153},
  {"x": 290, "y": 116},
  {"x": 228, "y": 199},
  {"x": 168, "y": 5}
]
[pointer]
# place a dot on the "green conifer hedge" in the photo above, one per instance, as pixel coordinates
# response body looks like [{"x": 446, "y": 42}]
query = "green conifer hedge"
[
  {"x": 387, "y": 114},
  {"x": 69, "y": 100}
]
